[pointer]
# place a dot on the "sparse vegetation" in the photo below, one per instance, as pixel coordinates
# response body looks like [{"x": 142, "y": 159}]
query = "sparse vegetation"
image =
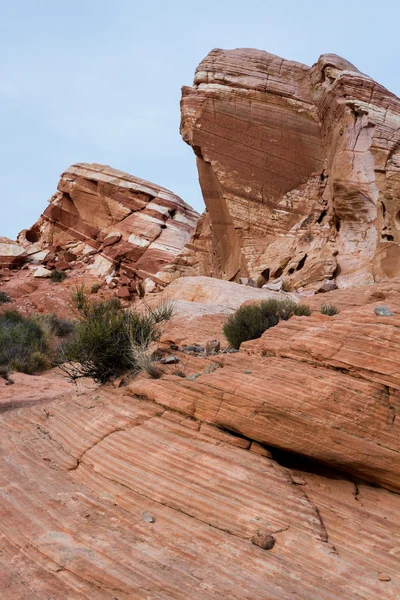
[
  {"x": 249, "y": 322},
  {"x": 59, "y": 326},
  {"x": 329, "y": 309},
  {"x": 108, "y": 341},
  {"x": 4, "y": 298},
  {"x": 30, "y": 344},
  {"x": 23, "y": 343},
  {"x": 95, "y": 288},
  {"x": 58, "y": 276}
]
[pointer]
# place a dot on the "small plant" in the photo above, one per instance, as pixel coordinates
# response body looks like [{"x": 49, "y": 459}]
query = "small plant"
[
  {"x": 58, "y": 276},
  {"x": 329, "y": 309},
  {"x": 95, "y": 288},
  {"x": 58, "y": 326},
  {"x": 24, "y": 345},
  {"x": 249, "y": 322},
  {"x": 4, "y": 298}
]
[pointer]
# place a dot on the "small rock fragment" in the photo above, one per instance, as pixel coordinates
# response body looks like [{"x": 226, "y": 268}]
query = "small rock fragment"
[
  {"x": 147, "y": 517},
  {"x": 194, "y": 348},
  {"x": 263, "y": 540},
  {"x": 169, "y": 360},
  {"x": 42, "y": 273},
  {"x": 383, "y": 311},
  {"x": 384, "y": 577},
  {"x": 274, "y": 286},
  {"x": 248, "y": 372}
]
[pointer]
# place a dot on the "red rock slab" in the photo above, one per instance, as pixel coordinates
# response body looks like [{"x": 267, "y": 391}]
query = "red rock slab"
[
  {"x": 317, "y": 412},
  {"x": 157, "y": 509}
]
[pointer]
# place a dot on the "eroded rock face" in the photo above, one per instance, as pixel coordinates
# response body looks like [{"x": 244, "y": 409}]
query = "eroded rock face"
[
  {"x": 299, "y": 169},
  {"x": 112, "y": 221}
]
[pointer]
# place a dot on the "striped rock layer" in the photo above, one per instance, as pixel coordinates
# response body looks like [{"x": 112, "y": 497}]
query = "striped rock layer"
[
  {"x": 107, "y": 496},
  {"x": 299, "y": 168},
  {"x": 117, "y": 222}
]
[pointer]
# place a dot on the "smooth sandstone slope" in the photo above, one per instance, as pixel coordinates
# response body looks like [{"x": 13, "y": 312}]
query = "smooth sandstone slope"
[
  {"x": 105, "y": 496},
  {"x": 299, "y": 168}
]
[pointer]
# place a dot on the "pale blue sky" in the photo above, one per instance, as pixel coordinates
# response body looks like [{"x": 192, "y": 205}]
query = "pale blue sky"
[{"x": 99, "y": 81}]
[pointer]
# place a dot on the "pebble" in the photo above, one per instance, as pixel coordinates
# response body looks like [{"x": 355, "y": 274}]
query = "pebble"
[
  {"x": 383, "y": 311},
  {"x": 384, "y": 577},
  {"x": 147, "y": 517},
  {"x": 169, "y": 360}
]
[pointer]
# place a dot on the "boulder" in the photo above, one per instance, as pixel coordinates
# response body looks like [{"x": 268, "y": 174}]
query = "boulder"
[
  {"x": 12, "y": 254},
  {"x": 299, "y": 168},
  {"x": 42, "y": 273}
]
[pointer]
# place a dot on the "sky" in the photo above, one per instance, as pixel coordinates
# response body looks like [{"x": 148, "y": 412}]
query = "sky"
[{"x": 99, "y": 81}]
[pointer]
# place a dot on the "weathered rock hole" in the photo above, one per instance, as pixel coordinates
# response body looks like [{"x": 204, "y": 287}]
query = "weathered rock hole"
[
  {"x": 278, "y": 273},
  {"x": 301, "y": 263},
  {"x": 33, "y": 235},
  {"x": 265, "y": 274},
  {"x": 322, "y": 216}
]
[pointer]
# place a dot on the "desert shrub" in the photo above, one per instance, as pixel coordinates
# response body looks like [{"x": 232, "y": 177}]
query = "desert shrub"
[
  {"x": 80, "y": 301},
  {"x": 59, "y": 326},
  {"x": 249, "y": 322},
  {"x": 58, "y": 276},
  {"x": 4, "y": 298},
  {"x": 95, "y": 288},
  {"x": 163, "y": 311},
  {"x": 108, "y": 340},
  {"x": 4, "y": 371},
  {"x": 24, "y": 345},
  {"x": 329, "y": 309}
]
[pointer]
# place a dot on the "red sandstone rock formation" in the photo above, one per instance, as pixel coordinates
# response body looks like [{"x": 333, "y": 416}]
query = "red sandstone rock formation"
[
  {"x": 113, "y": 222},
  {"x": 299, "y": 169},
  {"x": 107, "y": 496},
  {"x": 219, "y": 479}
]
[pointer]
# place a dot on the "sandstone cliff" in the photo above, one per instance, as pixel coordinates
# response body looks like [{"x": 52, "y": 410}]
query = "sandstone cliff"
[{"x": 299, "y": 169}]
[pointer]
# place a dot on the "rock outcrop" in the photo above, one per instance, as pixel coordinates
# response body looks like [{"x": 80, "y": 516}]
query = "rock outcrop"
[
  {"x": 104, "y": 496},
  {"x": 11, "y": 254},
  {"x": 299, "y": 168},
  {"x": 272, "y": 472},
  {"x": 114, "y": 223}
]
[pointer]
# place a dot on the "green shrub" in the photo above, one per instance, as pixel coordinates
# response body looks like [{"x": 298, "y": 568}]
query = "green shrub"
[
  {"x": 58, "y": 276},
  {"x": 4, "y": 298},
  {"x": 108, "y": 340},
  {"x": 95, "y": 288},
  {"x": 24, "y": 345},
  {"x": 58, "y": 326},
  {"x": 329, "y": 309},
  {"x": 249, "y": 322}
]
